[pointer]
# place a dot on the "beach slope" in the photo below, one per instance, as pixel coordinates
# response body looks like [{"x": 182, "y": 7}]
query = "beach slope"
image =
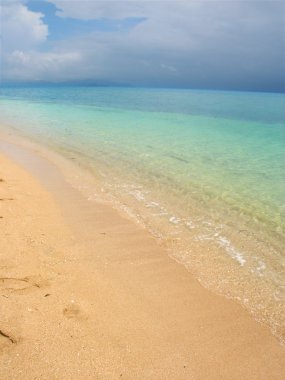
[{"x": 88, "y": 294}]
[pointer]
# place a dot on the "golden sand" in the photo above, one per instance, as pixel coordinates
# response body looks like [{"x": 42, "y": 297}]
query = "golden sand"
[{"x": 88, "y": 294}]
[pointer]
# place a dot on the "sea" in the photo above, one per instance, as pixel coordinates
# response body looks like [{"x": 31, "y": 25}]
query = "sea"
[{"x": 203, "y": 171}]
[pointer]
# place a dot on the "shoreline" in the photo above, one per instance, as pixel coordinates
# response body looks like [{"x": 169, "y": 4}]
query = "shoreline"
[
  {"x": 117, "y": 303},
  {"x": 222, "y": 259}
]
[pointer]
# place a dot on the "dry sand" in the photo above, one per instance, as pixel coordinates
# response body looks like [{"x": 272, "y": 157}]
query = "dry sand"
[{"x": 87, "y": 294}]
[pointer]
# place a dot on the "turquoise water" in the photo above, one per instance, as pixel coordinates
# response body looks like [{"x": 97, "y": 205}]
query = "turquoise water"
[{"x": 203, "y": 170}]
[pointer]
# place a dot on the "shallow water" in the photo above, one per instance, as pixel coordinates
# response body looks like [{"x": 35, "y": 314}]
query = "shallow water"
[{"x": 204, "y": 171}]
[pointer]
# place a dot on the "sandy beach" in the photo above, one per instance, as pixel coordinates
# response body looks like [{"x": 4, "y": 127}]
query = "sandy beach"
[{"x": 88, "y": 294}]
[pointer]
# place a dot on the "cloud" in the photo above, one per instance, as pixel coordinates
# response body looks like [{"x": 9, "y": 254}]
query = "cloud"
[
  {"x": 34, "y": 66},
  {"x": 216, "y": 44},
  {"x": 20, "y": 27},
  {"x": 23, "y": 33}
]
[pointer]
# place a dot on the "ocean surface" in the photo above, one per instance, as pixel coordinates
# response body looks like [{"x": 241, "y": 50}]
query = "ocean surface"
[{"x": 204, "y": 171}]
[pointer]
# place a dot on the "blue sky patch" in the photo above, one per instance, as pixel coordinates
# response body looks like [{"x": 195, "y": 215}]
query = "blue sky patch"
[{"x": 63, "y": 28}]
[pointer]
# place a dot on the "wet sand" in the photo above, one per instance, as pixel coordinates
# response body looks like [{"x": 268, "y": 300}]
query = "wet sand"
[{"x": 88, "y": 294}]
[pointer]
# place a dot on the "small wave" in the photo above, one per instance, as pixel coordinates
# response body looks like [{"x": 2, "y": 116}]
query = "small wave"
[{"x": 231, "y": 250}]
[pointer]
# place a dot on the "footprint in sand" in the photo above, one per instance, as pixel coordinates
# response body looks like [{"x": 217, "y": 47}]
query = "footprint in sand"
[
  {"x": 6, "y": 340},
  {"x": 13, "y": 284},
  {"x": 73, "y": 311},
  {"x": 7, "y": 336}
]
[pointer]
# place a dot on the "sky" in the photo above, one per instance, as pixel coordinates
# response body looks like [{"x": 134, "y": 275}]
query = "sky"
[{"x": 229, "y": 45}]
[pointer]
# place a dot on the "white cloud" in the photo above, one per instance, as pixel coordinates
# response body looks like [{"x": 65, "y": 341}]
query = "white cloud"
[
  {"x": 23, "y": 32},
  {"x": 31, "y": 66},
  {"x": 20, "y": 27}
]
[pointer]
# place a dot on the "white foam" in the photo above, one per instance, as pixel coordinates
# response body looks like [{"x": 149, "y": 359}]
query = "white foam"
[
  {"x": 162, "y": 213},
  {"x": 231, "y": 250},
  {"x": 152, "y": 204},
  {"x": 260, "y": 268},
  {"x": 190, "y": 224},
  {"x": 138, "y": 195},
  {"x": 204, "y": 237},
  {"x": 174, "y": 220}
]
